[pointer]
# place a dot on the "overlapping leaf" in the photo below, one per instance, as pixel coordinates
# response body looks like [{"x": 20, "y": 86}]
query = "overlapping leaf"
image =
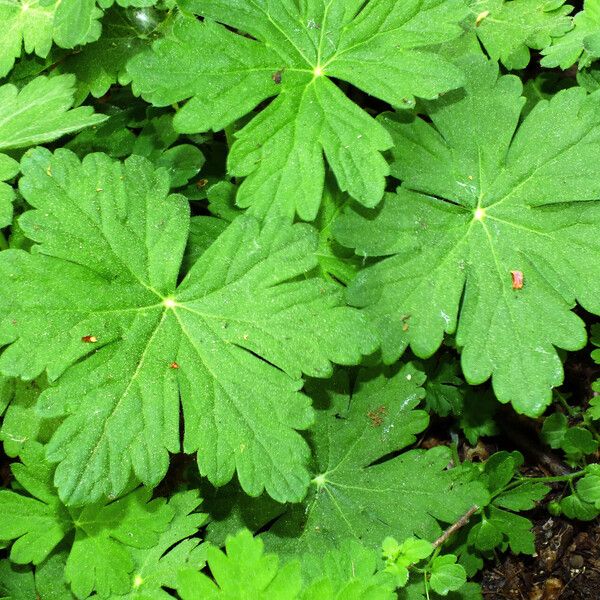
[
  {"x": 40, "y": 112},
  {"x": 581, "y": 44},
  {"x": 352, "y": 498},
  {"x": 158, "y": 567},
  {"x": 356, "y": 493},
  {"x": 295, "y": 49},
  {"x": 33, "y": 25},
  {"x": 488, "y": 232},
  {"x": 233, "y": 339},
  {"x": 509, "y": 28},
  {"x": 102, "y": 64},
  {"x": 99, "y": 557},
  {"x": 245, "y": 572}
]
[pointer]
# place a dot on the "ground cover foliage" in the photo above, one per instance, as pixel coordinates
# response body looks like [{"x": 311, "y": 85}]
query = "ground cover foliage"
[{"x": 282, "y": 280}]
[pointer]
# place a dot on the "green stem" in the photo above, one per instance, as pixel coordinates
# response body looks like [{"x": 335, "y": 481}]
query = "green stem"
[
  {"x": 570, "y": 410},
  {"x": 455, "y": 456}
]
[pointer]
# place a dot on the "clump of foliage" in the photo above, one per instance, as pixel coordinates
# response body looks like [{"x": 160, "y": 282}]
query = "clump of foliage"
[{"x": 253, "y": 254}]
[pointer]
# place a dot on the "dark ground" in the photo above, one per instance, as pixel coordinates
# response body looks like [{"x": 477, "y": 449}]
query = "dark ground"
[{"x": 567, "y": 565}]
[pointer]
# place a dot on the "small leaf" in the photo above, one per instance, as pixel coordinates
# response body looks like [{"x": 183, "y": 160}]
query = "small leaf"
[
  {"x": 446, "y": 576},
  {"x": 244, "y": 571}
]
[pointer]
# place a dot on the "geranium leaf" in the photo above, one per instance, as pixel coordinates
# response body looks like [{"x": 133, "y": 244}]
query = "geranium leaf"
[
  {"x": 233, "y": 339},
  {"x": 378, "y": 46},
  {"x": 485, "y": 235}
]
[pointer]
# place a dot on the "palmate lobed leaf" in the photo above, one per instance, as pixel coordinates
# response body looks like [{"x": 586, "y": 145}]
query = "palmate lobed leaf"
[
  {"x": 581, "y": 44},
  {"x": 40, "y": 112},
  {"x": 98, "y": 306},
  {"x": 243, "y": 571},
  {"x": 483, "y": 197},
  {"x": 99, "y": 557},
  {"x": 509, "y": 28},
  {"x": 157, "y": 567},
  {"x": 296, "y": 48},
  {"x": 33, "y": 25},
  {"x": 362, "y": 488}
]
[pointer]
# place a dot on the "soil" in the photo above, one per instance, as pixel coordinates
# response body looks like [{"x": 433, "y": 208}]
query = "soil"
[
  {"x": 566, "y": 566},
  {"x": 567, "y": 561}
]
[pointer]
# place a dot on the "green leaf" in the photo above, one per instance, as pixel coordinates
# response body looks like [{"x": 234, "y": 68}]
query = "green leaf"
[
  {"x": 50, "y": 581},
  {"x": 98, "y": 558},
  {"x": 203, "y": 233},
  {"x": 523, "y": 497},
  {"x": 578, "y": 442},
  {"x": 446, "y": 576},
  {"x": 554, "y": 429},
  {"x": 503, "y": 527},
  {"x": 112, "y": 137},
  {"x": 509, "y": 28},
  {"x": 416, "y": 591},
  {"x": 32, "y": 25},
  {"x": 16, "y": 582},
  {"x": 353, "y": 498},
  {"x": 484, "y": 201},
  {"x": 593, "y": 412},
  {"x": 76, "y": 22},
  {"x": 588, "y": 489},
  {"x": 98, "y": 306},
  {"x": 477, "y": 418},
  {"x": 158, "y": 566},
  {"x": 37, "y": 523},
  {"x": 99, "y": 65},
  {"x": 445, "y": 389},
  {"x": 41, "y": 112},
  {"x": 243, "y": 572},
  {"x": 336, "y": 263},
  {"x": 500, "y": 468},
  {"x": 21, "y": 423},
  {"x": 575, "y": 508},
  {"x": 579, "y": 44},
  {"x": 349, "y": 571},
  {"x": 412, "y": 550},
  {"x": 293, "y": 53}
]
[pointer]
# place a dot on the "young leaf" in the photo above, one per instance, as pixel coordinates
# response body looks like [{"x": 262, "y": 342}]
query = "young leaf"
[
  {"x": 232, "y": 340},
  {"x": 581, "y": 44},
  {"x": 244, "y": 572},
  {"x": 509, "y": 28},
  {"x": 486, "y": 233},
  {"x": 98, "y": 559},
  {"x": 446, "y": 575},
  {"x": 294, "y": 52}
]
